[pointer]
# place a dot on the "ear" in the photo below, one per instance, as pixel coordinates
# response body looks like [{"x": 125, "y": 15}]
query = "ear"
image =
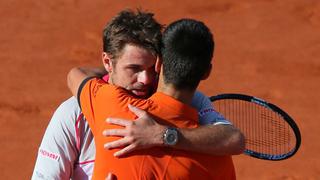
[
  {"x": 207, "y": 73},
  {"x": 107, "y": 62},
  {"x": 158, "y": 64}
]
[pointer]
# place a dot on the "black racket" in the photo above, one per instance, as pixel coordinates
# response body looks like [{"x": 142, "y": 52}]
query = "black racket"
[{"x": 270, "y": 133}]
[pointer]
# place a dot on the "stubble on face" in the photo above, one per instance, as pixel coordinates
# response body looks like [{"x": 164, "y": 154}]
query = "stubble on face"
[{"x": 134, "y": 71}]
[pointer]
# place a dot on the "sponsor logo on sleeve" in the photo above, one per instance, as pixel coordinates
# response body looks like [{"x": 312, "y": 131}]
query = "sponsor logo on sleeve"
[
  {"x": 49, "y": 155},
  {"x": 206, "y": 111},
  {"x": 97, "y": 86}
]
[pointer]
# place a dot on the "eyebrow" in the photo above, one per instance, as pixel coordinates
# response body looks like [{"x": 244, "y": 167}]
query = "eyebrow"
[
  {"x": 138, "y": 65},
  {"x": 134, "y": 65}
]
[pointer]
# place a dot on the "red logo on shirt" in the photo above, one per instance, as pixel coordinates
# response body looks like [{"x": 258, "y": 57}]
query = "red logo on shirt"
[{"x": 49, "y": 155}]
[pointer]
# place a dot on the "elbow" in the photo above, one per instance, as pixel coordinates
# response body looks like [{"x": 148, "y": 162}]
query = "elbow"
[
  {"x": 238, "y": 140},
  {"x": 70, "y": 75},
  {"x": 71, "y": 80}
]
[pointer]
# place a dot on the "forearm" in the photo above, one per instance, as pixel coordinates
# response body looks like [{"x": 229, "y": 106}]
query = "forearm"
[
  {"x": 146, "y": 132},
  {"x": 212, "y": 139},
  {"x": 86, "y": 72},
  {"x": 93, "y": 71}
]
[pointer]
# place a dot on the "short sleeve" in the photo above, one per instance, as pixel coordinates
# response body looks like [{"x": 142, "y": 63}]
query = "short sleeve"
[
  {"x": 206, "y": 111},
  {"x": 57, "y": 152}
]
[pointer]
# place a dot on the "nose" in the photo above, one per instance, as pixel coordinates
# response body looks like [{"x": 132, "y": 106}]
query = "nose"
[{"x": 146, "y": 77}]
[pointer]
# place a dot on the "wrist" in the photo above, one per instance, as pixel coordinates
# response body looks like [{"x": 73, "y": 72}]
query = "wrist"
[
  {"x": 159, "y": 138},
  {"x": 170, "y": 136}
]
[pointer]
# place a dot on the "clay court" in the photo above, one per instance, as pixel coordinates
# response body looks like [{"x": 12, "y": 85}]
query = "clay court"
[{"x": 266, "y": 48}]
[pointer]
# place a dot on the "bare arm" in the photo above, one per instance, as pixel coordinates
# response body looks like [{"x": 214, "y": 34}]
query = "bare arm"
[
  {"x": 78, "y": 74},
  {"x": 212, "y": 139},
  {"x": 145, "y": 132}
]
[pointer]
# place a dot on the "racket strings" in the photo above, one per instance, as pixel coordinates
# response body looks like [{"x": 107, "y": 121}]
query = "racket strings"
[{"x": 265, "y": 130}]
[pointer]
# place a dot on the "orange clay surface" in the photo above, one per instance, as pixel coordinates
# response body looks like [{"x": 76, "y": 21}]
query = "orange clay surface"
[{"x": 266, "y": 48}]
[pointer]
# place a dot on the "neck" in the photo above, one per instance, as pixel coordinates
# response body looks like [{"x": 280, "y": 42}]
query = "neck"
[{"x": 184, "y": 96}]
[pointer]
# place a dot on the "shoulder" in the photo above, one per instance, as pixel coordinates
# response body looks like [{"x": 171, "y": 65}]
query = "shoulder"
[
  {"x": 67, "y": 112},
  {"x": 68, "y": 105},
  {"x": 199, "y": 95},
  {"x": 200, "y": 101},
  {"x": 206, "y": 111},
  {"x": 94, "y": 90}
]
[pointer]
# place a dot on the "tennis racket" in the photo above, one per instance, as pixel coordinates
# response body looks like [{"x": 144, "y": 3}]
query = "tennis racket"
[{"x": 270, "y": 133}]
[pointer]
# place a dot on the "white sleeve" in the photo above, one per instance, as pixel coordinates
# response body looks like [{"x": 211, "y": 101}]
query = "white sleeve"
[
  {"x": 206, "y": 112},
  {"x": 58, "y": 150}
]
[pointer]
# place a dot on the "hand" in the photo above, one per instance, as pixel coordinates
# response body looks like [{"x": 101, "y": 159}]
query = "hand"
[
  {"x": 111, "y": 177},
  {"x": 142, "y": 133}
]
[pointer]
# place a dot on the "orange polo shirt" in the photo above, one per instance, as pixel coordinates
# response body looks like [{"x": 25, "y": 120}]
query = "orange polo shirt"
[{"x": 100, "y": 100}]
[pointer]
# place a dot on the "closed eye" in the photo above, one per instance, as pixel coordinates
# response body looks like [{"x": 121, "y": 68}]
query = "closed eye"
[{"x": 134, "y": 68}]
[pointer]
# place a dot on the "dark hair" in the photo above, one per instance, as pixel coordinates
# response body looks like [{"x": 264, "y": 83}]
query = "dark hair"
[
  {"x": 128, "y": 27},
  {"x": 187, "y": 52}
]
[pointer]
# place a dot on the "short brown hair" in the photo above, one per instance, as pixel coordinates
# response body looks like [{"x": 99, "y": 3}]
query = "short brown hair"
[{"x": 136, "y": 28}]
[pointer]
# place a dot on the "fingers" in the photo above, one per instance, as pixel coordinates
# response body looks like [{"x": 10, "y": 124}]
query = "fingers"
[
  {"x": 115, "y": 132},
  {"x": 119, "y": 121},
  {"x": 125, "y": 150},
  {"x": 126, "y": 122},
  {"x": 118, "y": 143},
  {"x": 137, "y": 111},
  {"x": 111, "y": 177}
]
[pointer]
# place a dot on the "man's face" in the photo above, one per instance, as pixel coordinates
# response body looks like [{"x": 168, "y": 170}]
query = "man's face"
[{"x": 134, "y": 70}]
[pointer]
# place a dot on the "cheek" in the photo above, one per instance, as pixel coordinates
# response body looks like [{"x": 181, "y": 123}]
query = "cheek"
[
  {"x": 123, "y": 73},
  {"x": 129, "y": 77}
]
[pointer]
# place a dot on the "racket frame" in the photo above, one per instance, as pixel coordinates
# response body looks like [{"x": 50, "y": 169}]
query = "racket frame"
[{"x": 274, "y": 108}]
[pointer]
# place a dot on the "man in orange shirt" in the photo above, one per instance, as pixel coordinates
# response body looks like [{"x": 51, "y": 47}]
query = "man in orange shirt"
[{"x": 187, "y": 53}]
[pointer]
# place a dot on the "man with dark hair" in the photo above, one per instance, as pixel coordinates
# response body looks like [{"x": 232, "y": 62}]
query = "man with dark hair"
[
  {"x": 186, "y": 55},
  {"x": 187, "y": 52}
]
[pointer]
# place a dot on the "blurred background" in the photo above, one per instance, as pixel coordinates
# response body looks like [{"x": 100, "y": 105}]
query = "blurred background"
[{"x": 266, "y": 48}]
